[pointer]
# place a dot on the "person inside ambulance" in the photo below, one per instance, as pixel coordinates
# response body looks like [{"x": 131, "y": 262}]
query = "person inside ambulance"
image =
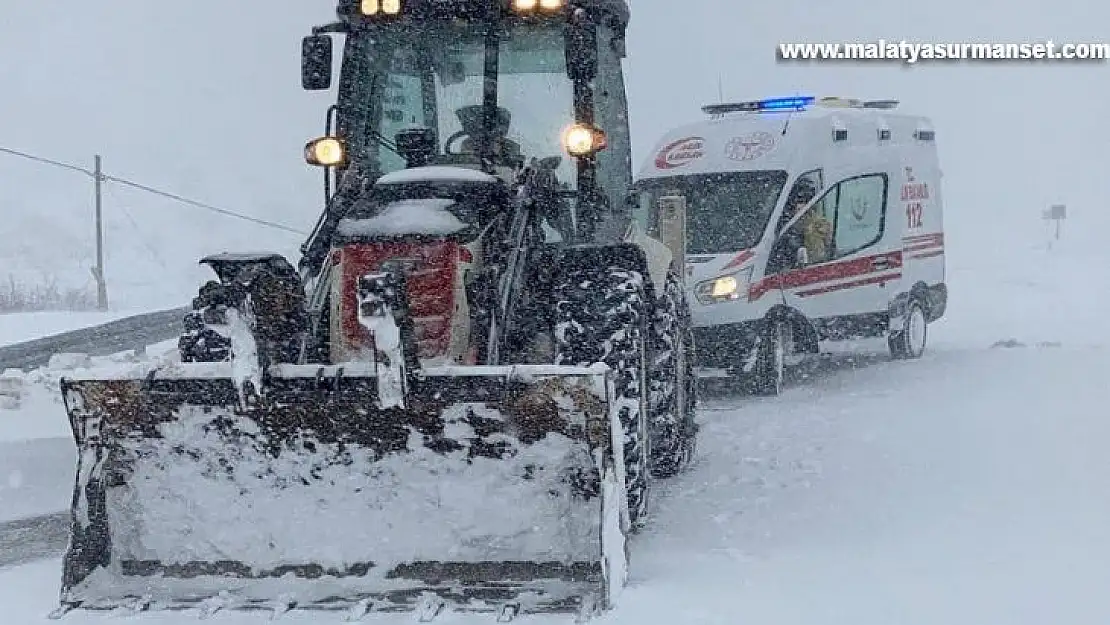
[{"x": 813, "y": 232}]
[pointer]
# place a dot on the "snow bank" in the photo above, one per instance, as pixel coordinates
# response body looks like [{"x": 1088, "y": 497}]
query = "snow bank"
[
  {"x": 37, "y": 412},
  {"x": 425, "y": 216},
  {"x": 37, "y": 453}
]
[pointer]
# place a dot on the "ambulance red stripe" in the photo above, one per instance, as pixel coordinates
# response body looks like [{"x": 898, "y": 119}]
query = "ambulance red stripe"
[
  {"x": 927, "y": 255},
  {"x": 937, "y": 237},
  {"x": 827, "y": 273},
  {"x": 924, "y": 246},
  {"x": 740, "y": 259},
  {"x": 851, "y": 285}
]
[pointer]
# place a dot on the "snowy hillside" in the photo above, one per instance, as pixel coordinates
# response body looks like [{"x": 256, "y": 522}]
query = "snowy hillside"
[{"x": 218, "y": 118}]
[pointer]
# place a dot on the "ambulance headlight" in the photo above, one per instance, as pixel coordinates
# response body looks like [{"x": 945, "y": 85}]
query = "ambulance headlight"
[
  {"x": 724, "y": 288},
  {"x": 326, "y": 152},
  {"x": 581, "y": 140}
]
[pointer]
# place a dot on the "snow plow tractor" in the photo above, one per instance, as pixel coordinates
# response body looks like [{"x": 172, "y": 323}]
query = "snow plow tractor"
[{"x": 461, "y": 396}]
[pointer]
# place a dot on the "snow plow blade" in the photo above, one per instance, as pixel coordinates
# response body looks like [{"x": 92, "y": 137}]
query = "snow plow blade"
[{"x": 493, "y": 489}]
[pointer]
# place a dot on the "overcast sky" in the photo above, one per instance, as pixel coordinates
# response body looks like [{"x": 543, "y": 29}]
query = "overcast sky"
[{"x": 203, "y": 98}]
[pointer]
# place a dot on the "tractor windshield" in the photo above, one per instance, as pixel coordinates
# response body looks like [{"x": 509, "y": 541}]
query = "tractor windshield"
[{"x": 435, "y": 78}]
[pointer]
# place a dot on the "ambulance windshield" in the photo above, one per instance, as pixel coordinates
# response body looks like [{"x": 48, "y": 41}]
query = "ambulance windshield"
[{"x": 725, "y": 212}]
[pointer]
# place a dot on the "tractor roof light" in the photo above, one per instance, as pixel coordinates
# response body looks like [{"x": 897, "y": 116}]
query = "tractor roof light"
[
  {"x": 530, "y": 6},
  {"x": 581, "y": 140},
  {"x": 326, "y": 152},
  {"x": 371, "y": 8}
]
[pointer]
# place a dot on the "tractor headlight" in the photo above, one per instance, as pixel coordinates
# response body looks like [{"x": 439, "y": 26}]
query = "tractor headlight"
[
  {"x": 580, "y": 140},
  {"x": 725, "y": 288},
  {"x": 326, "y": 152}
]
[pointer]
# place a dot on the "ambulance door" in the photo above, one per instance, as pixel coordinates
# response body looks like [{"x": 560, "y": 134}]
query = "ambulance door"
[{"x": 848, "y": 267}]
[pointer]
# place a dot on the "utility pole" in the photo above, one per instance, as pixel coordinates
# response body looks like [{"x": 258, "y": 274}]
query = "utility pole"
[{"x": 98, "y": 271}]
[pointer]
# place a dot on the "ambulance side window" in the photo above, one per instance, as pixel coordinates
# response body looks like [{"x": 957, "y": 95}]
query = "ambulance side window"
[
  {"x": 860, "y": 213},
  {"x": 813, "y": 176}
]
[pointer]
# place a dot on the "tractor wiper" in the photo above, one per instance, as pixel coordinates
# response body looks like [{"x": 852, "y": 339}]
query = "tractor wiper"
[{"x": 385, "y": 143}]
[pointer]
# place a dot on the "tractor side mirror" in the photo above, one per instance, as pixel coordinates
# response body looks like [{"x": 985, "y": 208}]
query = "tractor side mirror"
[{"x": 316, "y": 61}]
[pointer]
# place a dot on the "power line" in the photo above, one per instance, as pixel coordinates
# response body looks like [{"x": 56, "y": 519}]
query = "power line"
[
  {"x": 166, "y": 194},
  {"x": 47, "y": 161},
  {"x": 214, "y": 209}
]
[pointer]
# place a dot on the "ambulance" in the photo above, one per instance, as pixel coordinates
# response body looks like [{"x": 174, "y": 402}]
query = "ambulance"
[{"x": 807, "y": 221}]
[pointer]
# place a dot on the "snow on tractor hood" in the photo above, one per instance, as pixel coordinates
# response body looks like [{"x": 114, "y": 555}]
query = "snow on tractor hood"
[
  {"x": 406, "y": 217},
  {"x": 435, "y": 174}
]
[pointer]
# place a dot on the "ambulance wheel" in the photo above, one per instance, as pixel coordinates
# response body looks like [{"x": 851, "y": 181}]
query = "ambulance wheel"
[
  {"x": 602, "y": 316},
  {"x": 909, "y": 342},
  {"x": 769, "y": 374}
]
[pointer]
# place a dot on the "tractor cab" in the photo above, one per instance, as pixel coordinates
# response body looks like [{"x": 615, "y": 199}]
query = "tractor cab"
[
  {"x": 498, "y": 86},
  {"x": 463, "y": 131}
]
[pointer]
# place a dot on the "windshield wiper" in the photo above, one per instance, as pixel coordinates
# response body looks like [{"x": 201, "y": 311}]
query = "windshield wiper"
[{"x": 385, "y": 143}]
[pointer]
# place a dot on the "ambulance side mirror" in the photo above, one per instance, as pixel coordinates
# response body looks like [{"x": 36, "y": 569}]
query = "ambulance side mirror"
[{"x": 672, "y": 229}]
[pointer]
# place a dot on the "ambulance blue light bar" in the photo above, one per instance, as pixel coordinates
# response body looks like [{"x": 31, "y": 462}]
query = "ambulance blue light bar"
[{"x": 794, "y": 103}]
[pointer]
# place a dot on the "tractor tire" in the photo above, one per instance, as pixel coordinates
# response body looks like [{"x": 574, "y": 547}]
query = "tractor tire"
[
  {"x": 277, "y": 311},
  {"x": 673, "y": 384},
  {"x": 602, "y": 316},
  {"x": 201, "y": 341}
]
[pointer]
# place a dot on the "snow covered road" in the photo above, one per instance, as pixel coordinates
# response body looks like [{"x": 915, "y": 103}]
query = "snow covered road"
[
  {"x": 36, "y": 477},
  {"x": 969, "y": 487},
  {"x": 966, "y": 488}
]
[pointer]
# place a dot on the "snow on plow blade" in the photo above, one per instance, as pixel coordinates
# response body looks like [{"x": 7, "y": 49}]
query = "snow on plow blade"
[{"x": 491, "y": 489}]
